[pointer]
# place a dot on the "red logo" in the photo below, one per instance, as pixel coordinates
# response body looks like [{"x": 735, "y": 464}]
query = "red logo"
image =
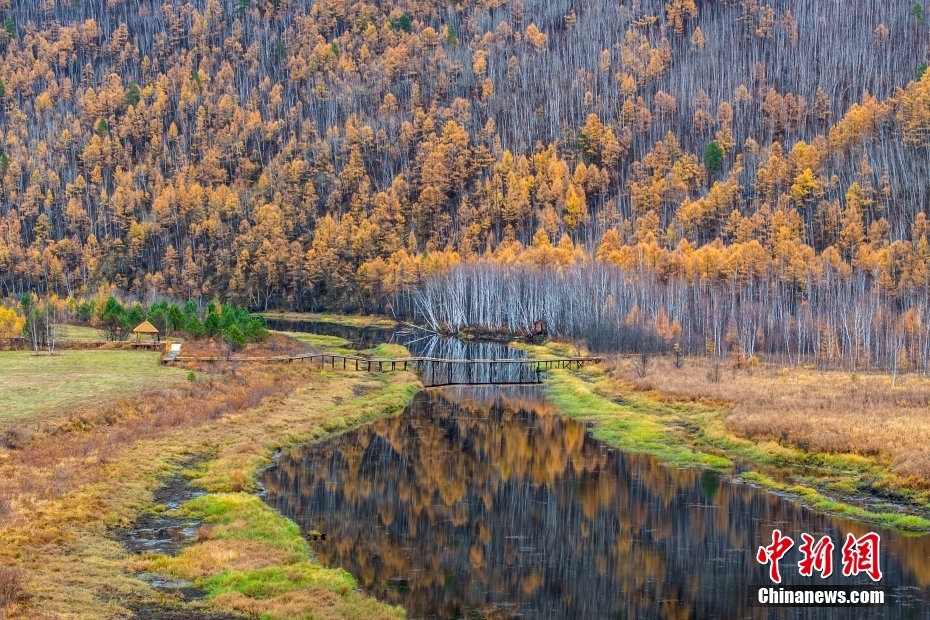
[
  {"x": 774, "y": 552},
  {"x": 817, "y": 557},
  {"x": 860, "y": 555}
]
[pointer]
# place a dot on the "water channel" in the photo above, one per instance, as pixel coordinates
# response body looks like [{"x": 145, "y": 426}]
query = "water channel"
[{"x": 486, "y": 503}]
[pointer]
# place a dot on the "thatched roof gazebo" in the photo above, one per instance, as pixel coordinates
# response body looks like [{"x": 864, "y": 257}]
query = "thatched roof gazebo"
[{"x": 146, "y": 328}]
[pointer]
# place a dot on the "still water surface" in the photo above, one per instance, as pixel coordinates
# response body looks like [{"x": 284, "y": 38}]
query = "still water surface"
[{"x": 486, "y": 503}]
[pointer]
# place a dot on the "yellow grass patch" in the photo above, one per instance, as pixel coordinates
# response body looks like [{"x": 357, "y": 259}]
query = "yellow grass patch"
[
  {"x": 37, "y": 385},
  {"x": 69, "y": 481}
]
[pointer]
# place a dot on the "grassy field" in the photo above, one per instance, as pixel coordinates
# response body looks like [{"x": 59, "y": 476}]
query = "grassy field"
[
  {"x": 332, "y": 344},
  {"x": 827, "y": 438},
  {"x": 80, "y": 333},
  {"x": 66, "y": 483},
  {"x": 86, "y": 333},
  {"x": 352, "y": 321},
  {"x": 340, "y": 346},
  {"x": 38, "y": 385}
]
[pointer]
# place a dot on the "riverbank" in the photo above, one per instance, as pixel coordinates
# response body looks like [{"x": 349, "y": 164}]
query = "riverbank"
[
  {"x": 685, "y": 418},
  {"x": 70, "y": 484}
]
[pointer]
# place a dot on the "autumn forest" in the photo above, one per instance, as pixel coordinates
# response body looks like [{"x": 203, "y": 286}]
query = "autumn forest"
[{"x": 722, "y": 176}]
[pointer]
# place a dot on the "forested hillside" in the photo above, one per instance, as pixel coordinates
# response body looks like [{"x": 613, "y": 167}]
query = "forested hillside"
[{"x": 333, "y": 153}]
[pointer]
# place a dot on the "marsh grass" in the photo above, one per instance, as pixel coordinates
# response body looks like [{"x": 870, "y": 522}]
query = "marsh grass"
[
  {"x": 332, "y": 344},
  {"x": 831, "y": 419},
  {"x": 69, "y": 480},
  {"x": 252, "y": 560},
  {"x": 788, "y": 423},
  {"x": 388, "y": 351},
  {"x": 341, "y": 346},
  {"x": 632, "y": 426},
  {"x": 249, "y": 558},
  {"x": 276, "y": 344},
  {"x": 12, "y": 586}
]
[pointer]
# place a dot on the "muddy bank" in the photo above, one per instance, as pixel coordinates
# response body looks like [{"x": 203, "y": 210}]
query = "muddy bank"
[{"x": 161, "y": 531}]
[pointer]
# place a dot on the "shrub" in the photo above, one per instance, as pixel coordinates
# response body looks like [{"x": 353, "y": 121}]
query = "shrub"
[
  {"x": 85, "y": 311},
  {"x": 176, "y": 318},
  {"x": 234, "y": 338},
  {"x": 12, "y": 585},
  {"x": 211, "y": 324},
  {"x": 194, "y": 328}
]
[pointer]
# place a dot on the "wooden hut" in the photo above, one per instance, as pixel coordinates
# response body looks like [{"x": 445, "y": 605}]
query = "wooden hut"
[
  {"x": 540, "y": 328},
  {"x": 146, "y": 328}
]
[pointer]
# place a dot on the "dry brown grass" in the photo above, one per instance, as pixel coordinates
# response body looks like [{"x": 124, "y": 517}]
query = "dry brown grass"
[
  {"x": 71, "y": 479},
  {"x": 325, "y": 605},
  {"x": 66, "y": 482},
  {"x": 275, "y": 345},
  {"x": 12, "y": 586},
  {"x": 819, "y": 412}
]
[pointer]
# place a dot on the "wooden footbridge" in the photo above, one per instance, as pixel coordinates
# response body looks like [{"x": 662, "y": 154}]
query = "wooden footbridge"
[{"x": 437, "y": 371}]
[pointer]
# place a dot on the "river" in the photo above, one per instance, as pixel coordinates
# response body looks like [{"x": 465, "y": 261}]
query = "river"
[{"x": 487, "y": 503}]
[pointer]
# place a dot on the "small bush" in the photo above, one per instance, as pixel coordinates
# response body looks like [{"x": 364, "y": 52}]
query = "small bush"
[
  {"x": 211, "y": 324},
  {"x": 195, "y": 329},
  {"x": 234, "y": 338},
  {"x": 85, "y": 311},
  {"x": 12, "y": 585},
  {"x": 192, "y": 376},
  {"x": 16, "y": 438}
]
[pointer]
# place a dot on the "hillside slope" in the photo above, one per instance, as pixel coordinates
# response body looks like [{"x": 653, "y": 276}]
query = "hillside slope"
[{"x": 328, "y": 153}]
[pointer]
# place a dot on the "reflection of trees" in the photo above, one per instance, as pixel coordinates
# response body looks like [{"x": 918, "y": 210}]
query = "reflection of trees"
[
  {"x": 426, "y": 344},
  {"x": 423, "y": 344},
  {"x": 498, "y": 505}
]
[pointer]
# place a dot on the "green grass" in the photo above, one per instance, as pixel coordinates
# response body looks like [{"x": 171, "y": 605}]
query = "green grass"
[
  {"x": 86, "y": 333},
  {"x": 242, "y": 516},
  {"x": 683, "y": 434},
  {"x": 818, "y": 501},
  {"x": 332, "y": 344},
  {"x": 389, "y": 352},
  {"x": 247, "y": 556},
  {"x": 351, "y": 321},
  {"x": 46, "y": 384},
  {"x": 81, "y": 333},
  {"x": 277, "y": 580},
  {"x": 630, "y": 426}
]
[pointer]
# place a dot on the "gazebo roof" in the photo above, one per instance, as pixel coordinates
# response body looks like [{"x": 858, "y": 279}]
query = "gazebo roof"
[{"x": 145, "y": 328}]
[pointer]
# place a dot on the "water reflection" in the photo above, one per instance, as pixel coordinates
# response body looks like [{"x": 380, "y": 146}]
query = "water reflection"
[
  {"x": 360, "y": 337},
  {"x": 422, "y": 343},
  {"x": 487, "y": 504}
]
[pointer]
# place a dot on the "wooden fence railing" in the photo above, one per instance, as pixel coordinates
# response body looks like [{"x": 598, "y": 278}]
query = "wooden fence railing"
[{"x": 436, "y": 367}]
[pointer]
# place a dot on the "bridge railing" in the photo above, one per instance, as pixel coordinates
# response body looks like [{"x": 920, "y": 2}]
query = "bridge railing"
[{"x": 439, "y": 371}]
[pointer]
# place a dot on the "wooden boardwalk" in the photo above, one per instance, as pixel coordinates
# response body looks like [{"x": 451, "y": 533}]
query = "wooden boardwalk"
[{"x": 441, "y": 371}]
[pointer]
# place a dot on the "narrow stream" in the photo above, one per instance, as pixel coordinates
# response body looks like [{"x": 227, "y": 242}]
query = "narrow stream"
[{"x": 486, "y": 503}]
